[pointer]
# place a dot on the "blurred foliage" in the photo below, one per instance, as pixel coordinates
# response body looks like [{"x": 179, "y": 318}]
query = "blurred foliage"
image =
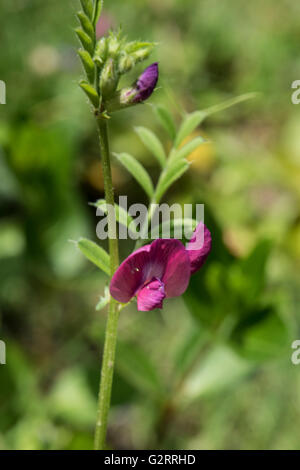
[{"x": 212, "y": 370}]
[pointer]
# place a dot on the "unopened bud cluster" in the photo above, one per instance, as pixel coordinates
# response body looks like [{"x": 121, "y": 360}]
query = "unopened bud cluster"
[{"x": 107, "y": 59}]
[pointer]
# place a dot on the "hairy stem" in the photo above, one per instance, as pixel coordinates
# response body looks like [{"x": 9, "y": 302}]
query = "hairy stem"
[{"x": 113, "y": 310}]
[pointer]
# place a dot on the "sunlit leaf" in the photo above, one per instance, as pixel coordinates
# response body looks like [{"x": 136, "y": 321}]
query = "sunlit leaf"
[
  {"x": 189, "y": 124},
  {"x": 95, "y": 254},
  {"x": 169, "y": 177},
  {"x": 153, "y": 144},
  {"x": 187, "y": 149},
  {"x": 165, "y": 118},
  {"x": 137, "y": 171}
]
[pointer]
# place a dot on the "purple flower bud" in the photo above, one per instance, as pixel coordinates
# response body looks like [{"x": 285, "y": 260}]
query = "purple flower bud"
[
  {"x": 146, "y": 83},
  {"x": 137, "y": 93}
]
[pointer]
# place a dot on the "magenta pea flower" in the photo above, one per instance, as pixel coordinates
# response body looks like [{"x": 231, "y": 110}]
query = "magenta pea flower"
[{"x": 160, "y": 270}]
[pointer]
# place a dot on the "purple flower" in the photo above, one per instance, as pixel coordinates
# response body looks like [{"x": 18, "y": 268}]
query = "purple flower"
[
  {"x": 160, "y": 270},
  {"x": 146, "y": 83},
  {"x": 137, "y": 93}
]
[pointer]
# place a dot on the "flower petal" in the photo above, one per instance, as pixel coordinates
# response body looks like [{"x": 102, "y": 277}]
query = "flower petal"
[
  {"x": 171, "y": 254},
  {"x": 151, "y": 296},
  {"x": 165, "y": 259},
  {"x": 130, "y": 275},
  {"x": 146, "y": 83},
  {"x": 199, "y": 247}
]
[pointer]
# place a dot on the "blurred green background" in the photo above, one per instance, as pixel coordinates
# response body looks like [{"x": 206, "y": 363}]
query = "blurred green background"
[{"x": 212, "y": 370}]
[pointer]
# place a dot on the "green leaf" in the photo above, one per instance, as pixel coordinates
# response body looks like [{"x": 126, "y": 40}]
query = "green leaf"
[
  {"x": 86, "y": 25},
  {"x": 137, "y": 171},
  {"x": 88, "y": 64},
  {"x": 153, "y": 144},
  {"x": 166, "y": 120},
  {"x": 189, "y": 124},
  {"x": 85, "y": 40},
  {"x": 90, "y": 92},
  {"x": 135, "y": 365},
  {"x": 122, "y": 215},
  {"x": 97, "y": 11},
  {"x": 169, "y": 177},
  {"x": 188, "y": 148},
  {"x": 95, "y": 254},
  {"x": 104, "y": 299},
  {"x": 261, "y": 335},
  {"x": 88, "y": 8}
]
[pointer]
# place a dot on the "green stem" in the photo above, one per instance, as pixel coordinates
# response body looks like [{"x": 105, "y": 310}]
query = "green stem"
[{"x": 113, "y": 311}]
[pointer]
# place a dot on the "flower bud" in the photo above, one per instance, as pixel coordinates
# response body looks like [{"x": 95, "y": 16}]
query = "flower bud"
[
  {"x": 109, "y": 79},
  {"x": 139, "y": 92},
  {"x": 101, "y": 50},
  {"x": 142, "y": 53},
  {"x": 146, "y": 83},
  {"x": 113, "y": 46},
  {"x": 126, "y": 63}
]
